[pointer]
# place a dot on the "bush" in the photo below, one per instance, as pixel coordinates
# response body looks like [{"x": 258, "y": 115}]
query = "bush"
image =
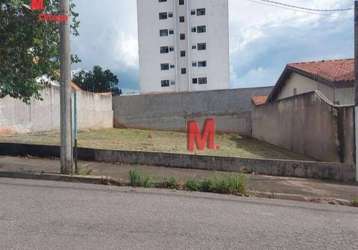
[
  {"x": 355, "y": 202},
  {"x": 172, "y": 183},
  {"x": 223, "y": 185},
  {"x": 138, "y": 180},
  {"x": 193, "y": 185}
]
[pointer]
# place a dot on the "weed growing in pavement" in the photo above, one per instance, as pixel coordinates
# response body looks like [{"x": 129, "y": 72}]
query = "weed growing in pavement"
[
  {"x": 355, "y": 202},
  {"x": 225, "y": 185},
  {"x": 193, "y": 185},
  {"x": 139, "y": 180},
  {"x": 172, "y": 183}
]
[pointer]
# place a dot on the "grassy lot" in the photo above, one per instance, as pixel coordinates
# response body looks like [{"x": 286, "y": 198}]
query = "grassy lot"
[{"x": 160, "y": 141}]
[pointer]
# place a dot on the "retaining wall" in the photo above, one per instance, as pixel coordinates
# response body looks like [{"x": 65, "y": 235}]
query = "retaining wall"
[
  {"x": 231, "y": 109},
  {"x": 305, "y": 169}
]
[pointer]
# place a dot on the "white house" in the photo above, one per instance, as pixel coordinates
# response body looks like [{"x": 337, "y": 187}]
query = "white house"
[
  {"x": 333, "y": 78},
  {"x": 183, "y": 45}
]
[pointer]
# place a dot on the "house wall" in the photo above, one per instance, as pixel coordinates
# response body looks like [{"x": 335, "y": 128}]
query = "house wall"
[
  {"x": 231, "y": 108},
  {"x": 302, "y": 84},
  {"x": 94, "y": 111},
  {"x": 307, "y": 124}
]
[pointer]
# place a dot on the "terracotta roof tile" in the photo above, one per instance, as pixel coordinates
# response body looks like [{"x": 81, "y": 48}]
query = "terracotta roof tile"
[
  {"x": 259, "y": 100},
  {"x": 331, "y": 70}
]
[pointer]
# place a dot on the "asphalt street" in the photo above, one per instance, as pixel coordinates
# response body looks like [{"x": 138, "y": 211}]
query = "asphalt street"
[{"x": 55, "y": 215}]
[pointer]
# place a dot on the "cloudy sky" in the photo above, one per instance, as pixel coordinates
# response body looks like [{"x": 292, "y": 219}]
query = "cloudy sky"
[{"x": 263, "y": 39}]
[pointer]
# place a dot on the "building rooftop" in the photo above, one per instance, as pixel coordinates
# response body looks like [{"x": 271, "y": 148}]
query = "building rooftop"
[
  {"x": 332, "y": 70},
  {"x": 334, "y": 73}
]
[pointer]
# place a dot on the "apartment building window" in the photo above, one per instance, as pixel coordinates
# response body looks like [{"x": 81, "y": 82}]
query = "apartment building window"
[
  {"x": 164, "y": 49},
  {"x": 164, "y": 66},
  {"x": 181, "y": 2},
  {"x": 193, "y": 12},
  {"x": 163, "y": 32},
  {"x": 195, "y": 80},
  {"x": 172, "y": 66},
  {"x": 171, "y": 32},
  {"x": 200, "y": 12},
  {"x": 170, "y": 14},
  {"x": 163, "y": 15},
  {"x": 171, "y": 49},
  {"x": 201, "y": 29},
  {"x": 202, "y": 64},
  {"x": 183, "y": 71},
  {"x": 182, "y": 53},
  {"x": 172, "y": 83},
  {"x": 165, "y": 83},
  {"x": 201, "y": 46},
  {"x": 193, "y": 29},
  {"x": 182, "y": 36},
  {"x": 162, "y": 1},
  {"x": 193, "y": 64},
  {"x": 182, "y": 19},
  {"x": 202, "y": 80},
  {"x": 193, "y": 47}
]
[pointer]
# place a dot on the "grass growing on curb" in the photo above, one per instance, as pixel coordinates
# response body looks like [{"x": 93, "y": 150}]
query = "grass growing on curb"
[
  {"x": 235, "y": 184},
  {"x": 224, "y": 185},
  {"x": 355, "y": 202},
  {"x": 137, "y": 179}
]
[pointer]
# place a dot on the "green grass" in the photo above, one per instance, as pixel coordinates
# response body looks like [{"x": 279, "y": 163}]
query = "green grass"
[
  {"x": 137, "y": 179},
  {"x": 225, "y": 185},
  {"x": 160, "y": 141},
  {"x": 233, "y": 184},
  {"x": 355, "y": 202}
]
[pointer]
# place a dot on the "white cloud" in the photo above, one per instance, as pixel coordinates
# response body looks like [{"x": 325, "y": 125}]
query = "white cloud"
[{"x": 262, "y": 38}]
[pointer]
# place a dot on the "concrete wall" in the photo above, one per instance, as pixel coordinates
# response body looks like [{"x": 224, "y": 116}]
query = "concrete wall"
[
  {"x": 94, "y": 111},
  {"x": 308, "y": 124},
  {"x": 304, "y": 169},
  {"x": 301, "y": 84},
  {"x": 231, "y": 108}
]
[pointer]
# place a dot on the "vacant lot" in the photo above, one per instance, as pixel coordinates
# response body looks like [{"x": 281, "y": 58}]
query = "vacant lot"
[{"x": 159, "y": 141}]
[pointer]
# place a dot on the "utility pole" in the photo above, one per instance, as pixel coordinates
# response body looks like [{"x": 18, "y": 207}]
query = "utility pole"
[
  {"x": 66, "y": 105},
  {"x": 356, "y": 83}
]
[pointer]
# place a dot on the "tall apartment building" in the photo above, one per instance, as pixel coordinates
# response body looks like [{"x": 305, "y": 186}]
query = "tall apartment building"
[{"x": 183, "y": 45}]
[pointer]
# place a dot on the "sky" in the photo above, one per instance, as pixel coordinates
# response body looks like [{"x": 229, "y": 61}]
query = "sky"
[{"x": 263, "y": 39}]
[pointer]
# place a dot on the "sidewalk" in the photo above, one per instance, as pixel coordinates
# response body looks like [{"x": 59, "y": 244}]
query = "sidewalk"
[{"x": 267, "y": 186}]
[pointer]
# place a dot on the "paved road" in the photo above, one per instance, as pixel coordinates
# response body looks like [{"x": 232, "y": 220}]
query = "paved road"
[{"x": 53, "y": 215}]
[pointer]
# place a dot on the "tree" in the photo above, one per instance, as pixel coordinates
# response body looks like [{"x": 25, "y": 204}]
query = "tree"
[
  {"x": 97, "y": 81},
  {"x": 29, "y": 49}
]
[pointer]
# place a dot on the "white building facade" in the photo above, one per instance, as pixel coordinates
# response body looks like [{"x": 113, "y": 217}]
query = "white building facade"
[{"x": 183, "y": 45}]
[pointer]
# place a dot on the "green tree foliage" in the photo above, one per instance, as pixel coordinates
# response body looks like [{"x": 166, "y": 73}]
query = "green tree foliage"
[
  {"x": 97, "y": 81},
  {"x": 29, "y": 49}
]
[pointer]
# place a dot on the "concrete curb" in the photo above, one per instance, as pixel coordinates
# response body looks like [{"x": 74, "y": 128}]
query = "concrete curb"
[
  {"x": 297, "y": 197},
  {"x": 100, "y": 180},
  {"x": 105, "y": 180}
]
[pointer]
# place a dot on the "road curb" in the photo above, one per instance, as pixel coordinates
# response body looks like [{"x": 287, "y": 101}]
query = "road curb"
[
  {"x": 297, "y": 197},
  {"x": 100, "y": 180},
  {"x": 105, "y": 180}
]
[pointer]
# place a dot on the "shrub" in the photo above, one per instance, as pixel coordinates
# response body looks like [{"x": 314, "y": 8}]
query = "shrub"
[
  {"x": 355, "y": 202},
  {"x": 172, "y": 183},
  {"x": 224, "y": 185},
  {"x": 193, "y": 185}
]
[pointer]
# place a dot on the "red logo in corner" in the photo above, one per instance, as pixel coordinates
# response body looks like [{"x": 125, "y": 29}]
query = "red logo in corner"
[{"x": 39, "y": 5}]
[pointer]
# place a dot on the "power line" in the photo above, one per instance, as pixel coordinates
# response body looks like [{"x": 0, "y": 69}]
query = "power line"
[{"x": 300, "y": 8}]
